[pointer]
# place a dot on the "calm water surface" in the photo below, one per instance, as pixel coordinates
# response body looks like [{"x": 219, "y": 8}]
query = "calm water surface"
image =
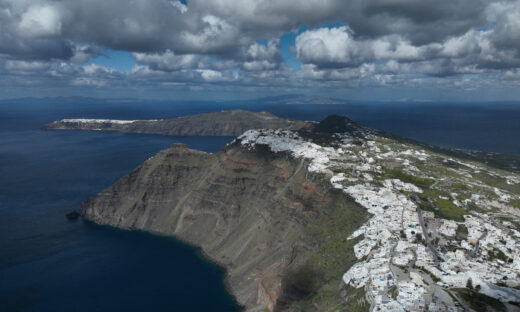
[{"x": 50, "y": 264}]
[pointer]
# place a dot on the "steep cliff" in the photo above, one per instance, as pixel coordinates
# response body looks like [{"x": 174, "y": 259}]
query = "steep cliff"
[
  {"x": 261, "y": 215},
  {"x": 338, "y": 218}
]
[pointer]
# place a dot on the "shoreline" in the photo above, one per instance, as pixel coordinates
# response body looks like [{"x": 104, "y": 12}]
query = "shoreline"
[{"x": 199, "y": 251}]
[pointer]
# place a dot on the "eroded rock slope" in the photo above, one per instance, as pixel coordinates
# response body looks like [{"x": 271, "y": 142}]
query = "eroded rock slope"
[
  {"x": 337, "y": 218},
  {"x": 277, "y": 228}
]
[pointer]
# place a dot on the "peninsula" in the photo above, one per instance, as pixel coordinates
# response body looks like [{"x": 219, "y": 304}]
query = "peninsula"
[
  {"x": 333, "y": 216},
  {"x": 223, "y": 123}
]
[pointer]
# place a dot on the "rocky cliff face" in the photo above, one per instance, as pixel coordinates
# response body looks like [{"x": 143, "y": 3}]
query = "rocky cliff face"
[
  {"x": 341, "y": 218},
  {"x": 224, "y": 123},
  {"x": 257, "y": 213}
]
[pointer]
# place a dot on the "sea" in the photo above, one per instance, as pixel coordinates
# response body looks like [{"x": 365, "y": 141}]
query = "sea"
[{"x": 48, "y": 263}]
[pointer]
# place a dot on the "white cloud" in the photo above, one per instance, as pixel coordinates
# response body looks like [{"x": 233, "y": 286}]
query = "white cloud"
[
  {"x": 169, "y": 61},
  {"x": 259, "y": 65},
  {"x": 217, "y": 33},
  {"x": 238, "y": 41},
  {"x": 337, "y": 47},
  {"x": 260, "y": 51},
  {"x": 89, "y": 82},
  {"x": 179, "y": 6},
  {"x": 324, "y": 45},
  {"x": 26, "y": 66},
  {"x": 41, "y": 21},
  {"x": 211, "y": 75},
  {"x": 94, "y": 68}
]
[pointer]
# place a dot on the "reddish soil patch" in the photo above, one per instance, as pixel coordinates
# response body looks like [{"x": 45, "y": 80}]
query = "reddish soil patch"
[
  {"x": 245, "y": 163},
  {"x": 190, "y": 217},
  {"x": 311, "y": 189},
  {"x": 285, "y": 174}
]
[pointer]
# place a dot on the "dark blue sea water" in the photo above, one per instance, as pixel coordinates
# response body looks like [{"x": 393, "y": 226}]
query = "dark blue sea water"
[{"x": 50, "y": 264}]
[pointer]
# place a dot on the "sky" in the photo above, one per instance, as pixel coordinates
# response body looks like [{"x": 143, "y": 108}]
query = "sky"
[{"x": 394, "y": 50}]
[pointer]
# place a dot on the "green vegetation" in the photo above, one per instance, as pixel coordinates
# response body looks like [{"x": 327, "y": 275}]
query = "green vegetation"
[
  {"x": 497, "y": 254},
  {"x": 435, "y": 279},
  {"x": 335, "y": 252},
  {"x": 490, "y": 194},
  {"x": 433, "y": 194},
  {"x": 385, "y": 141},
  {"x": 515, "y": 203},
  {"x": 473, "y": 207},
  {"x": 461, "y": 232},
  {"x": 514, "y": 223},
  {"x": 322, "y": 271},
  {"x": 497, "y": 182},
  {"x": 452, "y": 164},
  {"x": 377, "y": 183},
  {"x": 480, "y": 302},
  {"x": 499, "y": 161},
  {"x": 408, "y": 178},
  {"x": 355, "y": 300},
  {"x": 329, "y": 299},
  {"x": 431, "y": 200},
  {"x": 460, "y": 186},
  {"x": 449, "y": 210},
  {"x": 489, "y": 180},
  {"x": 393, "y": 291},
  {"x": 462, "y": 197}
]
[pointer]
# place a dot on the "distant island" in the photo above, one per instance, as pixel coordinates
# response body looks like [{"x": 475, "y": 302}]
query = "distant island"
[
  {"x": 295, "y": 99},
  {"x": 224, "y": 123},
  {"x": 328, "y": 216}
]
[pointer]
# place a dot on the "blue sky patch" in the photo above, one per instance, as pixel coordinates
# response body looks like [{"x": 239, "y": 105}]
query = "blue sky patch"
[
  {"x": 119, "y": 60},
  {"x": 287, "y": 45}
]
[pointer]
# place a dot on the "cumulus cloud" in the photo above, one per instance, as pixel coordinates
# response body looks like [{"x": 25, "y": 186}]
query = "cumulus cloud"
[
  {"x": 40, "y": 21},
  {"x": 334, "y": 47},
  {"x": 420, "y": 21},
  {"x": 211, "y": 75},
  {"x": 169, "y": 61},
  {"x": 26, "y": 66},
  {"x": 471, "y": 52},
  {"x": 381, "y": 42},
  {"x": 180, "y": 6},
  {"x": 337, "y": 47},
  {"x": 225, "y": 26}
]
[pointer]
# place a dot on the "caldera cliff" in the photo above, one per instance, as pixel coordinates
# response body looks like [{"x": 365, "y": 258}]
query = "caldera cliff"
[{"x": 335, "y": 217}]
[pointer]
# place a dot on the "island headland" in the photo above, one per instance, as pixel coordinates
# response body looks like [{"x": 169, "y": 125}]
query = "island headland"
[
  {"x": 333, "y": 216},
  {"x": 223, "y": 123}
]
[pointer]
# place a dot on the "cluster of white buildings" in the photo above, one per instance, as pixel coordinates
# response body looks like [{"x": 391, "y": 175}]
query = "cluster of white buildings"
[
  {"x": 389, "y": 240},
  {"x": 389, "y": 237},
  {"x": 83, "y": 120},
  {"x": 482, "y": 266}
]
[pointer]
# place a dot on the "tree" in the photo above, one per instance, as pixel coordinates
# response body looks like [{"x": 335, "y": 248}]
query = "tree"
[{"x": 469, "y": 283}]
